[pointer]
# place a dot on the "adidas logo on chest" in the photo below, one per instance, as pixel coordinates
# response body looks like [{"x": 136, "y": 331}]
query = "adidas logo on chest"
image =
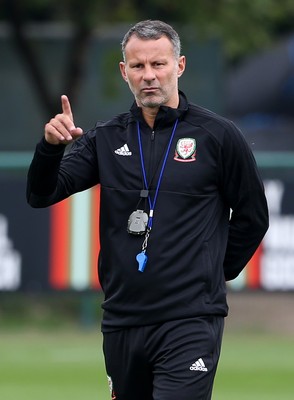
[{"x": 123, "y": 151}]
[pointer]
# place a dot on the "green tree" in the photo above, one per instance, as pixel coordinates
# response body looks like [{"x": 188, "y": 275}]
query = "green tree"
[{"x": 243, "y": 26}]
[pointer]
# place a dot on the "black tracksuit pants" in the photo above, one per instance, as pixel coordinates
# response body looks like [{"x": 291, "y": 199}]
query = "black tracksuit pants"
[{"x": 176, "y": 360}]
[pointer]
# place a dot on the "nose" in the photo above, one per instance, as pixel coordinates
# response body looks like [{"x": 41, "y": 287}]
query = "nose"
[{"x": 149, "y": 74}]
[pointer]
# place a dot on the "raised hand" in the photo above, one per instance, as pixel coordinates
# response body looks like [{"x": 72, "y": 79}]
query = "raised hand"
[{"x": 61, "y": 128}]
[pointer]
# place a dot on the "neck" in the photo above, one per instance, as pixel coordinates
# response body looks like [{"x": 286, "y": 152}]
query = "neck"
[{"x": 149, "y": 115}]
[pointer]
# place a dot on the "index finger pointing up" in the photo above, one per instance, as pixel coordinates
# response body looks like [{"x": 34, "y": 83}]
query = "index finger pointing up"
[{"x": 66, "y": 108}]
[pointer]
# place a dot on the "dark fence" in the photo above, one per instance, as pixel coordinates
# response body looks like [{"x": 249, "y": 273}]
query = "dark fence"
[{"x": 57, "y": 248}]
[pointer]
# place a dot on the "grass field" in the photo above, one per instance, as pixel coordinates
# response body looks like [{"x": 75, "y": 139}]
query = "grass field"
[
  {"x": 68, "y": 365},
  {"x": 256, "y": 367}
]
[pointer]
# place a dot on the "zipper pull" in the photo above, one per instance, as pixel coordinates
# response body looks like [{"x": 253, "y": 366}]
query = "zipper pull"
[{"x": 152, "y": 135}]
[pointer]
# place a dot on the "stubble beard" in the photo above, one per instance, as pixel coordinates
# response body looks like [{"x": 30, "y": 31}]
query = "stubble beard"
[{"x": 153, "y": 101}]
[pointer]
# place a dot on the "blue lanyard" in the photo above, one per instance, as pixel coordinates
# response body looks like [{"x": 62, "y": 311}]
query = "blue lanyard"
[{"x": 153, "y": 203}]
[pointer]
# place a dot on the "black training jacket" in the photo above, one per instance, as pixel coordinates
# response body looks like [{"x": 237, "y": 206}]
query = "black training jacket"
[{"x": 209, "y": 218}]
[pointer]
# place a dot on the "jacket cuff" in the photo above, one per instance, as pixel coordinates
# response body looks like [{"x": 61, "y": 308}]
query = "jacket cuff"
[{"x": 50, "y": 149}]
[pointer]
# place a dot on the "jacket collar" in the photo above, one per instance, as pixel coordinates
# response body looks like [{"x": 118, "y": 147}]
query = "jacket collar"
[{"x": 166, "y": 115}]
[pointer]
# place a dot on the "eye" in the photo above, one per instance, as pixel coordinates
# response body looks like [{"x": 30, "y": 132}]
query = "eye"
[
  {"x": 159, "y": 64},
  {"x": 136, "y": 66}
]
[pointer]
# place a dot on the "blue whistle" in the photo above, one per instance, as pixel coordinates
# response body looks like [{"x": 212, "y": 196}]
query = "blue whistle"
[{"x": 142, "y": 260}]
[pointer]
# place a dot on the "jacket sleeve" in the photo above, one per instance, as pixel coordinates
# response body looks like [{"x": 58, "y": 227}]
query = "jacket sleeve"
[
  {"x": 55, "y": 174},
  {"x": 243, "y": 191}
]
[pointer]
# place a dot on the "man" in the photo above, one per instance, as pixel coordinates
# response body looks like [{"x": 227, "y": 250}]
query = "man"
[{"x": 182, "y": 210}]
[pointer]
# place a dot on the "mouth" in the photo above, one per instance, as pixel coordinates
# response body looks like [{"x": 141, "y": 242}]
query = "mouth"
[{"x": 150, "y": 89}]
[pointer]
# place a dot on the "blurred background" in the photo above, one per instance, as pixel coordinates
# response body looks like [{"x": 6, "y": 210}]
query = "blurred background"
[{"x": 240, "y": 56}]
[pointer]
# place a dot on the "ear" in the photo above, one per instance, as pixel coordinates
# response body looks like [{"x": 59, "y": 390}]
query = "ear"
[
  {"x": 122, "y": 67},
  {"x": 181, "y": 65}
]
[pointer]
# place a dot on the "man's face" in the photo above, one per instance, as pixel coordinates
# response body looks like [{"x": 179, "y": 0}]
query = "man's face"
[{"x": 152, "y": 71}]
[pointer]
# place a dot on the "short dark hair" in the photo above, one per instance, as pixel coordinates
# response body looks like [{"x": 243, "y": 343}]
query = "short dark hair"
[{"x": 153, "y": 29}]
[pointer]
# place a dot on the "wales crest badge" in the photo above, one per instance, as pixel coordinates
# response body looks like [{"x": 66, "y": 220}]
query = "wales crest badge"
[{"x": 185, "y": 150}]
